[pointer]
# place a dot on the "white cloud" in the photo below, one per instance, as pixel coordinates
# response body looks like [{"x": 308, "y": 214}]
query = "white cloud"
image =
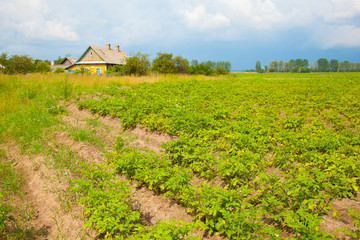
[
  {"x": 325, "y": 23},
  {"x": 332, "y": 36},
  {"x": 33, "y": 18},
  {"x": 322, "y": 18},
  {"x": 199, "y": 18}
]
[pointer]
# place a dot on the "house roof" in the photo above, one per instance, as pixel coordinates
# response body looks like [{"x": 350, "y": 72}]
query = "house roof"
[
  {"x": 111, "y": 56},
  {"x": 71, "y": 59}
]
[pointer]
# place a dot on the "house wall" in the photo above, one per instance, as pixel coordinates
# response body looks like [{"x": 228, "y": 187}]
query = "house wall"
[{"x": 91, "y": 67}]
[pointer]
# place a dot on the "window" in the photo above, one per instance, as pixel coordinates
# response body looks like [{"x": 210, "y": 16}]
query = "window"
[
  {"x": 97, "y": 70},
  {"x": 87, "y": 70}
]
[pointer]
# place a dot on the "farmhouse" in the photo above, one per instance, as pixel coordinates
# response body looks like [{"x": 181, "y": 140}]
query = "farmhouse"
[
  {"x": 97, "y": 59},
  {"x": 68, "y": 61}
]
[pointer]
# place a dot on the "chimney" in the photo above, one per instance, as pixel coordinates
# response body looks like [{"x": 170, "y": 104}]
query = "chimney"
[
  {"x": 117, "y": 48},
  {"x": 108, "y": 46}
]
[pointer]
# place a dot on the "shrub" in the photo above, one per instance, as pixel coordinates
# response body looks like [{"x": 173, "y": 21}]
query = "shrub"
[{"x": 59, "y": 70}]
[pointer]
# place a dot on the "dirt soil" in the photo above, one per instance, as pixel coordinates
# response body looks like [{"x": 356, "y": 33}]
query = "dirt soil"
[{"x": 40, "y": 181}]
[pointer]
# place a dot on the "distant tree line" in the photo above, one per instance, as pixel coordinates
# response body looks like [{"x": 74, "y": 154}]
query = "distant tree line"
[
  {"x": 139, "y": 64},
  {"x": 22, "y": 64},
  {"x": 303, "y": 66}
]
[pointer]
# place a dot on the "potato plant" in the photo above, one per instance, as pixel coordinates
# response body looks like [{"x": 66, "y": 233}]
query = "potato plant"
[{"x": 284, "y": 148}]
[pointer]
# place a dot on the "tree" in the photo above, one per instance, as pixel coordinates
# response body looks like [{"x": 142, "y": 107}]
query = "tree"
[
  {"x": 181, "y": 65},
  {"x": 223, "y": 65},
  {"x": 4, "y": 62},
  {"x": 305, "y": 63},
  {"x": 344, "y": 66},
  {"x": 323, "y": 65},
  {"x": 164, "y": 63},
  {"x": 282, "y": 66},
  {"x": 60, "y": 59},
  {"x": 21, "y": 64},
  {"x": 42, "y": 67},
  {"x": 290, "y": 65},
  {"x": 202, "y": 68},
  {"x": 138, "y": 64},
  {"x": 258, "y": 66},
  {"x": 334, "y": 65},
  {"x": 274, "y": 66}
]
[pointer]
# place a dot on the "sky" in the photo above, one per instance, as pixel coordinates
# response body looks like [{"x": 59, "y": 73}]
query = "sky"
[{"x": 239, "y": 31}]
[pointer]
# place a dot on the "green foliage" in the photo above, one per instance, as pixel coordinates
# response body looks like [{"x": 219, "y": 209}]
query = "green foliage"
[
  {"x": 109, "y": 209},
  {"x": 323, "y": 65},
  {"x": 356, "y": 220},
  {"x": 334, "y": 65},
  {"x": 210, "y": 67},
  {"x": 42, "y": 67},
  {"x": 171, "y": 230},
  {"x": 138, "y": 64},
  {"x": 16, "y": 64},
  {"x": 59, "y": 70},
  {"x": 106, "y": 200},
  {"x": 283, "y": 148},
  {"x": 164, "y": 63},
  {"x": 181, "y": 65},
  {"x": 82, "y": 71},
  {"x": 258, "y": 66},
  {"x": 65, "y": 88}
]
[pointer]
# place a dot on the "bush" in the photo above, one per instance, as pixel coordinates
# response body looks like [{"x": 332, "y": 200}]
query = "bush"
[{"x": 59, "y": 70}]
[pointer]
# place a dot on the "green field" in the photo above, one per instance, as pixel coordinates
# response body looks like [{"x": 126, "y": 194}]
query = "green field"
[{"x": 262, "y": 156}]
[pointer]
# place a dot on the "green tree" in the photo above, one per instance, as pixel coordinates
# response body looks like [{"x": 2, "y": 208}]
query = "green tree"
[
  {"x": 164, "y": 63},
  {"x": 274, "y": 66},
  {"x": 222, "y": 67},
  {"x": 323, "y": 65},
  {"x": 282, "y": 66},
  {"x": 305, "y": 63},
  {"x": 42, "y": 67},
  {"x": 334, "y": 65},
  {"x": 4, "y": 62},
  {"x": 258, "y": 66},
  {"x": 137, "y": 64},
  {"x": 202, "y": 68},
  {"x": 181, "y": 65},
  {"x": 299, "y": 63},
  {"x": 289, "y": 65},
  {"x": 21, "y": 64}
]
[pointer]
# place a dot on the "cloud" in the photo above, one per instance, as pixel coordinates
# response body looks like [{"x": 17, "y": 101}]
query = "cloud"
[
  {"x": 199, "y": 18},
  {"x": 324, "y": 23},
  {"x": 333, "y": 36},
  {"x": 33, "y": 18},
  {"x": 321, "y": 20}
]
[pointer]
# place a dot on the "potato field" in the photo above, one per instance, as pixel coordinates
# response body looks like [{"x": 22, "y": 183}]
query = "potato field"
[{"x": 241, "y": 156}]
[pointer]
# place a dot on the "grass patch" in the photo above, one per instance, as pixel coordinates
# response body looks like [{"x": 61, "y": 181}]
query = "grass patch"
[{"x": 86, "y": 135}]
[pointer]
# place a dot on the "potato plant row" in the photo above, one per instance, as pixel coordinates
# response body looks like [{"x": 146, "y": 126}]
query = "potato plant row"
[
  {"x": 284, "y": 148},
  {"x": 109, "y": 209}
]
